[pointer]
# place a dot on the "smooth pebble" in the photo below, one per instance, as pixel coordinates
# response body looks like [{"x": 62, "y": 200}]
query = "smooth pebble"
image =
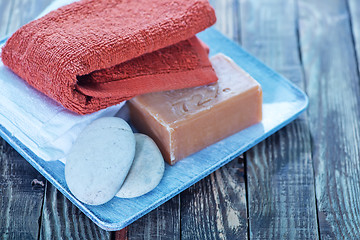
[
  {"x": 147, "y": 169},
  {"x": 100, "y": 160}
]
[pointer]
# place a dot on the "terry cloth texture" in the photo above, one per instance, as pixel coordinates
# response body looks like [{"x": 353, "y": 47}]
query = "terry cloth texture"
[{"x": 95, "y": 53}]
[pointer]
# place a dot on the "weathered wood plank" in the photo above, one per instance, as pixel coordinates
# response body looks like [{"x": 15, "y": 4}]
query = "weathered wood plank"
[
  {"x": 228, "y": 17},
  {"x": 280, "y": 181},
  {"x": 162, "y": 223},
  {"x": 333, "y": 87},
  {"x": 20, "y": 202},
  {"x": 62, "y": 220},
  {"x": 354, "y": 6},
  {"x": 280, "y": 194},
  {"x": 215, "y": 208}
]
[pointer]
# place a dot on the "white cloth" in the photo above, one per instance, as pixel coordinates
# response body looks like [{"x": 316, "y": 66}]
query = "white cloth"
[{"x": 40, "y": 123}]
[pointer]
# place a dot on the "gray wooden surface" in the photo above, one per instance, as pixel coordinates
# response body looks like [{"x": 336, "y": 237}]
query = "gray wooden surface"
[
  {"x": 279, "y": 170},
  {"x": 301, "y": 183},
  {"x": 332, "y": 79}
]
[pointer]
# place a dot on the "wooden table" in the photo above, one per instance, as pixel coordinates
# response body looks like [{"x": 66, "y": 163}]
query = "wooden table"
[{"x": 301, "y": 183}]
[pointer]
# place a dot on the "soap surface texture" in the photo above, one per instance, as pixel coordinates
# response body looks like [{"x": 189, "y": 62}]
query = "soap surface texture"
[
  {"x": 146, "y": 171},
  {"x": 99, "y": 160},
  {"x": 185, "y": 121}
]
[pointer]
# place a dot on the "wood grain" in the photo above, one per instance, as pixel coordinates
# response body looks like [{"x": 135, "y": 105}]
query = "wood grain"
[
  {"x": 62, "y": 220},
  {"x": 354, "y": 7},
  {"x": 280, "y": 181},
  {"x": 20, "y": 201},
  {"x": 215, "y": 208},
  {"x": 228, "y": 17},
  {"x": 161, "y": 223},
  {"x": 332, "y": 78}
]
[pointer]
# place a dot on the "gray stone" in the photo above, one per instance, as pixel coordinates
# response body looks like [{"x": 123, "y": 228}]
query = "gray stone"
[
  {"x": 100, "y": 160},
  {"x": 147, "y": 169}
]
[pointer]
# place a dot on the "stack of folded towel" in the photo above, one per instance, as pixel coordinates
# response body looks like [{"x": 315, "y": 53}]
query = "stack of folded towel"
[{"x": 92, "y": 54}]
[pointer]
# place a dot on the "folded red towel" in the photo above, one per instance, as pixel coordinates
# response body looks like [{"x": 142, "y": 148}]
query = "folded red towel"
[
  {"x": 185, "y": 64},
  {"x": 95, "y": 53}
]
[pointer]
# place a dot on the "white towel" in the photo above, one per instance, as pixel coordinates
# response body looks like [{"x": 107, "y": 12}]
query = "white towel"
[{"x": 38, "y": 122}]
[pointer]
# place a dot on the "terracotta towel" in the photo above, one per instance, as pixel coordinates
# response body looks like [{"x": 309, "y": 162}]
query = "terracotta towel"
[{"x": 95, "y": 53}]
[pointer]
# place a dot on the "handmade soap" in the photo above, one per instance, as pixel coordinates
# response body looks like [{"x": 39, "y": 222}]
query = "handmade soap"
[{"x": 185, "y": 121}]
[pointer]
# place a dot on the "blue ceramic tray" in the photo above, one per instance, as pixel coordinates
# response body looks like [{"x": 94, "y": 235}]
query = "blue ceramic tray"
[{"x": 283, "y": 102}]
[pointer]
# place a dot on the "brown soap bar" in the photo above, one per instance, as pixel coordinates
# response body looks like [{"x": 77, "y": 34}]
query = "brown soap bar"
[{"x": 185, "y": 121}]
